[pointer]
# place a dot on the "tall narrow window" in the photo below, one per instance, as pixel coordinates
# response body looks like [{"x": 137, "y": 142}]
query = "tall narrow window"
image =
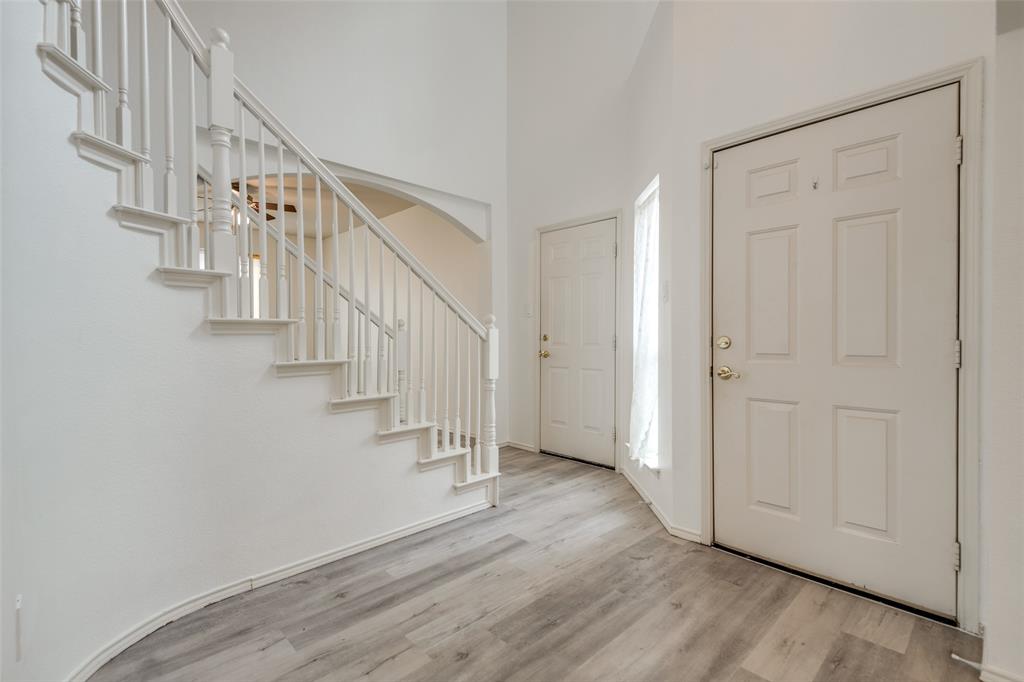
[{"x": 643, "y": 418}]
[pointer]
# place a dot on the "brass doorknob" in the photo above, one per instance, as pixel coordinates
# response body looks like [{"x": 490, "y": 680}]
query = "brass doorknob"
[
  {"x": 544, "y": 354},
  {"x": 725, "y": 373}
]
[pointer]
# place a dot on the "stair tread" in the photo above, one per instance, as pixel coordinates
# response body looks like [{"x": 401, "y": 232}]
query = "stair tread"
[
  {"x": 406, "y": 428},
  {"x": 95, "y": 141},
  {"x": 83, "y": 75},
  {"x": 150, "y": 213},
  {"x": 363, "y": 398},
  {"x": 311, "y": 363},
  {"x": 241, "y": 321},
  {"x": 194, "y": 271},
  {"x": 477, "y": 478}
]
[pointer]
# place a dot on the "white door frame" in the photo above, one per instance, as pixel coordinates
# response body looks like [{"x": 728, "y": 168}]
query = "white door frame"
[
  {"x": 565, "y": 225},
  {"x": 969, "y": 76}
]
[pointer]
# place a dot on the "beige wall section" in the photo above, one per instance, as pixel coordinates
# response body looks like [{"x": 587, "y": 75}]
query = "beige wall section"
[{"x": 460, "y": 263}]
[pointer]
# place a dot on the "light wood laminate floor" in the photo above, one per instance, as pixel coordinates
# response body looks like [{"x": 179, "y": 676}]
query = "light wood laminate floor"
[{"x": 571, "y": 578}]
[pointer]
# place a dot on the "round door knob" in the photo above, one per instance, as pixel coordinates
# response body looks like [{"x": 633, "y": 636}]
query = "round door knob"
[
  {"x": 725, "y": 373},
  {"x": 544, "y": 354}
]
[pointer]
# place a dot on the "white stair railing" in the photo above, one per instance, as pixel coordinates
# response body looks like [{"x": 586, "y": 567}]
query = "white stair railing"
[{"x": 405, "y": 338}]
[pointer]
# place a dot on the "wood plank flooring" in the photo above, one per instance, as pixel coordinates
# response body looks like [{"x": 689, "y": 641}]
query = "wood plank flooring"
[{"x": 571, "y": 578}]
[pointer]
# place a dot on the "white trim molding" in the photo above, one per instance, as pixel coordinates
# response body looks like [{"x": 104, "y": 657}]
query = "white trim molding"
[
  {"x": 197, "y": 602},
  {"x": 969, "y": 76},
  {"x": 675, "y": 531}
]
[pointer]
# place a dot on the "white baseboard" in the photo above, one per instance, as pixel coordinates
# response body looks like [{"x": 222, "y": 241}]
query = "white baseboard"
[
  {"x": 991, "y": 674},
  {"x": 518, "y": 445},
  {"x": 186, "y": 607},
  {"x": 675, "y": 531}
]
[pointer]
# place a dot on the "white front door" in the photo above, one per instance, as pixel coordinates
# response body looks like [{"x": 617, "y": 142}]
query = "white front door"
[
  {"x": 835, "y": 260},
  {"x": 577, "y": 363}
]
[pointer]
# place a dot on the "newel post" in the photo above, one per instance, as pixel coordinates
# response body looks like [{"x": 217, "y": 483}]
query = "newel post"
[
  {"x": 221, "y": 98},
  {"x": 489, "y": 455}
]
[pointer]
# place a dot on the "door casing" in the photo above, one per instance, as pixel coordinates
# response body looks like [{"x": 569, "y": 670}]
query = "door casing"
[
  {"x": 535, "y": 314},
  {"x": 969, "y": 76}
]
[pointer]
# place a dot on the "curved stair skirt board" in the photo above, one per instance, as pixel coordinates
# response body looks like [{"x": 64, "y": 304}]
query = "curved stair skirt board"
[
  {"x": 675, "y": 531},
  {"x": 72, "y": 77},
  {"x": 113, "y": 157},
  {"x": 167, "y": 228},
  {"x": 188, "y": 606}
]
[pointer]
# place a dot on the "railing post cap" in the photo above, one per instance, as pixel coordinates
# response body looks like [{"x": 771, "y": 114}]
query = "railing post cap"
[
  {"x": 220, "y": 38},
  {"x": 490, "y": 321}
]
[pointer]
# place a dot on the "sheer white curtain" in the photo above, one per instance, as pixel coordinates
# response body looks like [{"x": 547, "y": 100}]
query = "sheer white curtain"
[{"x": 643, "y": 418}]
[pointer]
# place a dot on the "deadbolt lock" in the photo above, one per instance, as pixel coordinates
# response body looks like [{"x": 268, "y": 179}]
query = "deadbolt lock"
[
  {"x": 723, "y": 342},
  {"x": 544, "y": 338}
]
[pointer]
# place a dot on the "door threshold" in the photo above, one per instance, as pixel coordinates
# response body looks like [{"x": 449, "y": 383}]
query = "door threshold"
[
  {"x": 576, "y": 459},
  {"x": 843, "y": 587}
]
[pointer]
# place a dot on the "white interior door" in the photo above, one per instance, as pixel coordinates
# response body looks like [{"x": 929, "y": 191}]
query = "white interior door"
[
  {"x": 835, "y": 255},
  {"x": 577, "y": 312}
]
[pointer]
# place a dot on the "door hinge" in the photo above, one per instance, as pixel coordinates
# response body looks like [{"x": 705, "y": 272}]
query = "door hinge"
[
  {"x": 956, "y": 555},
  {"x": 615, "y": 342},
  {"x": 958, "y": 149},
  {"x": 615, "y": 249},
  {"x": 957, "y": 353},
  {"x": 615, "y": 435}
]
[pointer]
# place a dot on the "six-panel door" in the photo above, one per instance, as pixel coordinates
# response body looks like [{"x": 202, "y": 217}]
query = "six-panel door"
[
  {"x": 578, "y": 318},
  {"x": 835, "y": 276}
]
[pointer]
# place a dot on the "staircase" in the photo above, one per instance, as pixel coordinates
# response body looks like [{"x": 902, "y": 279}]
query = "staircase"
[{"x": 282, "y": 247}]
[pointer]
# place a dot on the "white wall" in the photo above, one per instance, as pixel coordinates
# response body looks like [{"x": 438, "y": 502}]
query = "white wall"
[
  {"x": 410, "y": 90},
  {"x": 732, "y": 66},
  {"x": 568, "y": 64},
  {"x": 146, "y": 461},
  {"x": 647, "y": 132},
  {"x": 1002, "y": 453}
]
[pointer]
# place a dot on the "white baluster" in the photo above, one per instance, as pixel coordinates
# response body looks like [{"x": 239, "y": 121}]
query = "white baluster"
[
  {"x": 392, "y": 364},
  {"x": 170, "y": 179},
  {"x": 52, "y": 22},
  {"x": 353, "y": 363},
  {"x": 244, "y": 231},
  {"x": 283, "y": 294},
  {"x": 447, "y": 375},
  {"x": 144, "y": 188},
  {"x": 263, "y": 286},
  {"x": 423, "y": 366},
  {"x": 366, "y": 354},
  {"x": 469, "y": 385},
  {"x": 300, "y": 328},
  {"x": 123, "y": 120},
  {"x": 402, "y": 371},
  {"x": 100, "y": 99},
  {"x": 408, "y": 416},
  {"x": 320, "y": 328},
  {"x": 489, "y": 452},
  {"x": 193, "y": 168},
  {"x": 433, "y": 355},
  {"x": 458, "y": 384},
  {"x": 381, "y": 331},
  {"x": 77, "y": 32},
  {"x": 221, "y": 245},
  {"x": 479, "y": 403},
  {"x": 336, "y": 270},
  {"x": 64, "y": 25},
  {"x": 207, "y": 251}
]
